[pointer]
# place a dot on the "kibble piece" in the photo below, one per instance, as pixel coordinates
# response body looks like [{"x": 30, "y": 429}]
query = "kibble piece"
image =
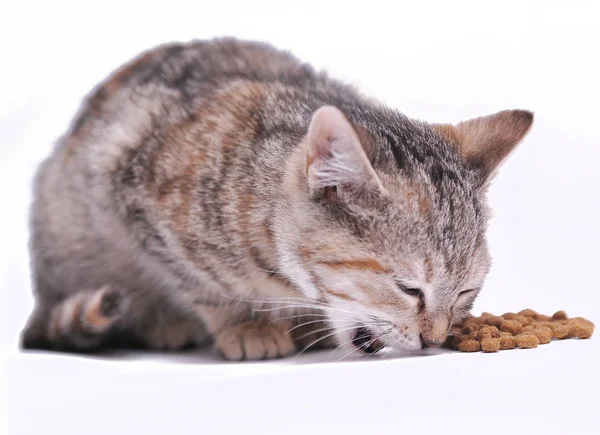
[
  {"x": 457, "y": 339},
  {"x": 523, "y": 320},
  {"x": 476, "y": 321},
  {"x": 467, "y": 329},
  {"x": 507, "y": 342},
  {"x": 543, "y": 333},
  {"x": 495, "y": 321},
  {"x": 550, "y": 325},
  {"x": 562, "y": 331},
  {"x": 582, "y": 320},
  {"x": 581, "y": 330},
  {"x": 560, "y": 315},
  {"x": 509, "y": 316},
  {"x": 505, "y": 334},
  {"x": 474, "y": 335},
  {"x": 511, "y": 326},
  {"x": 528, "y": 328},
  {"x": 490, "y": 344},
  {"x": 469, "y": 346},
  {"x": 527, "y": 312},
  {"x": 484, "y": 332},
  {"x": 526, "y": 340},
  {"x": 543, "y": 318}
]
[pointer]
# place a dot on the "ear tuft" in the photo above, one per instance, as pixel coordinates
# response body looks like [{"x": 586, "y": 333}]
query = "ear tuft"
[
  {"x": 335, "y": 156},
  {"x": 487, "y": 141}
]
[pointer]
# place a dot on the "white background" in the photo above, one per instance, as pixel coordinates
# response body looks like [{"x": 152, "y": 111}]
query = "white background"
[{"x": 441, "y": 62}]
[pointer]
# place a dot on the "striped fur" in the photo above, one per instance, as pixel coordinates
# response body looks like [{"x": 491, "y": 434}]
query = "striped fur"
[{"x": 202, "y": 183}]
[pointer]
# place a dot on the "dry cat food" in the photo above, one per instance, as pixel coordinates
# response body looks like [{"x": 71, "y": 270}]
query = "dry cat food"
[{"x": 525, "y": 329}]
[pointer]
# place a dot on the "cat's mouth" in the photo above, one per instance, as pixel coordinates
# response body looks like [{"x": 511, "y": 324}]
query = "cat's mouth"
[{"x": 364, "y": 339}]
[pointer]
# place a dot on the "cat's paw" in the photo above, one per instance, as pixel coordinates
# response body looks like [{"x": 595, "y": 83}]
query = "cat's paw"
[{"x": 254, "y": 341}]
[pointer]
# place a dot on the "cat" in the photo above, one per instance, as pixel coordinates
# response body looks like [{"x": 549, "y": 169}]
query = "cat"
[{"x": 224, "y": 192}]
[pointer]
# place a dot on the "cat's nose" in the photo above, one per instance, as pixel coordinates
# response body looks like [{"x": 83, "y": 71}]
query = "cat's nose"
[
  {"x": 433, "y": 332},
  {"x": 428, "y": 343}
]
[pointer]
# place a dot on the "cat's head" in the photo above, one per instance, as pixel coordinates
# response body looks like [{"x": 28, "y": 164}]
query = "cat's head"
[{"x": 386, "y": 219}]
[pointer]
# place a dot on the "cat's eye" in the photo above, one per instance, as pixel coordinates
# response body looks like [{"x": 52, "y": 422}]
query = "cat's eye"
[
  {"x": 415, "y": 292},
  {"x": 466, "y": 292}
]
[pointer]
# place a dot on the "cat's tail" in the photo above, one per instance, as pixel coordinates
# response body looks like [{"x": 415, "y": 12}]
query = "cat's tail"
[{"x": 79, "y": 323}]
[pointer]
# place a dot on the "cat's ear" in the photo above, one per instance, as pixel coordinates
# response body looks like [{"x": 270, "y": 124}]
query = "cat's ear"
[
  {"x": 487, "y": 141},
  {"x": 335, "y": 157}
]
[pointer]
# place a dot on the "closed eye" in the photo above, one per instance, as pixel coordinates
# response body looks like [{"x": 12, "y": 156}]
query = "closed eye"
[{"x": 415, "y": 292}]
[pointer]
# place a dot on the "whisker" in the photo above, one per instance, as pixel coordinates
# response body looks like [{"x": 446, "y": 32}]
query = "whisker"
[
  {"x": 316, "y": 321},
  {"x": 317, "y": 307},
  {"x": 284, "y": 300},
  {"x": 306, "y": 303},
  {"x": 343, "y": 344},
  {"x": 320, "y": 339},
  {"x": 270, "y": 300},
  {"x": 370, "y": 342},
  {"x": 353, "y": 338},
  {"x": 357, "y": 348},
  {"x": 299, "y": 315},
  {"x": 348, "y": 354},
  {"x": 380, "y": 335},
  {"x": 324, "y": 310},
  {"x": 308, "y": 334}
]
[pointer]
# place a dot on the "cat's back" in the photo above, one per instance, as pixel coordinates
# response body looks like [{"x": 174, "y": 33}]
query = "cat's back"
[
  {"x": 171, "y": 81},
  {"x": 156, "y": 93},
  {"x": 167, "y": 85},
  {"x": 151, "y": 101}
]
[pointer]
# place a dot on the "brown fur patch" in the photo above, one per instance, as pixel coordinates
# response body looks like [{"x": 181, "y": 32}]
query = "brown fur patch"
[
  {"x": 370, "y": 264},
  {"x": 486, "y": 141},
  {"x": 95, "y": 102},
  {"x": 338, "y": 294},
  {"x": 448, "y": 132},
  {"x": 424, "y": 204},
  {"x": 309, "y": 160},
  {"x": 175, "y": 191},
  {"x": 93, "y": 315},
  {"x": 120, "y": 77},
  {"x": 428, "y": 269}
]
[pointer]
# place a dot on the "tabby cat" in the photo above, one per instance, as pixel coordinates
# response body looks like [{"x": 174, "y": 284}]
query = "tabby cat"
[{"x": 223, "y": 191}]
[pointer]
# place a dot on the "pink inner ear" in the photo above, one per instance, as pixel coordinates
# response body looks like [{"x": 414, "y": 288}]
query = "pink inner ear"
[
  {"x": 329, "y": 126},
  {"x": 335, "y": 156}
]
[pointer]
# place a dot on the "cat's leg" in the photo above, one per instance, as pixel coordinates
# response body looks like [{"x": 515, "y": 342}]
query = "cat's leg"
[
  {"x": 79, "y": 322},
  {"x": 162, "y": 326},
  {"x": 239, "y": 336},
  {"x": 112, "y": 318}
]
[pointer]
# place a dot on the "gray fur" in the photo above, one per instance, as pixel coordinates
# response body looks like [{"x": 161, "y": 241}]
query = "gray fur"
[{"x": 183, "y": 185}]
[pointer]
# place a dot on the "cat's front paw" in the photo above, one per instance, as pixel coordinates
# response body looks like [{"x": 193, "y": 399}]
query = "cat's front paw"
[{"x": 254, "y": 341}]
